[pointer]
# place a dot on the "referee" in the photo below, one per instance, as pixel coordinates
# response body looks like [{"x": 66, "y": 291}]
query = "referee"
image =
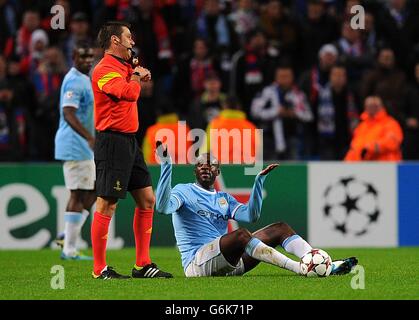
[{"x": 120, "y": 165}]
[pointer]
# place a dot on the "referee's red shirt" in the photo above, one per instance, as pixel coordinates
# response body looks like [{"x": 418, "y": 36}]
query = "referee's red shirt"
[{"x": 115, "y": 96}]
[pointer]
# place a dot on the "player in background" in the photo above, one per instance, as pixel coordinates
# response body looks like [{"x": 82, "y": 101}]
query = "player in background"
[
  {"x": 200, "y": 215},
  {"x": 120, "y": 164},
  {"x": 74, "y": 143}
]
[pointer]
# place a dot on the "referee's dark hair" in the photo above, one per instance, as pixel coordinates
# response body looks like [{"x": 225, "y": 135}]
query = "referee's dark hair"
[{"x": 109, "y": 29}]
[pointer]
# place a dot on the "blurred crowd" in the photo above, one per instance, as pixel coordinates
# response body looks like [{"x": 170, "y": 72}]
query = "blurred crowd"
[{"x": 294, "y": 68}]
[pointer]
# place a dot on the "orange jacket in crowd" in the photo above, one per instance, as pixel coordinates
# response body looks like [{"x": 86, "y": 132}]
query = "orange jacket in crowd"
[
  {"x": 378, "y": 138},
  {"x": 233, "y": 121},
  {"x": 167, "y": 122}
]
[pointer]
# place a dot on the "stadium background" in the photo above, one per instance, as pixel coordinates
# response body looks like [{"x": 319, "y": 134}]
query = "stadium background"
[{"x": 32, "y": 192}]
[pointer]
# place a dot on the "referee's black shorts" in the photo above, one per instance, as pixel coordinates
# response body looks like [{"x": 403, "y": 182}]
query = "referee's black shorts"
[{"x": 120, "y": 165}]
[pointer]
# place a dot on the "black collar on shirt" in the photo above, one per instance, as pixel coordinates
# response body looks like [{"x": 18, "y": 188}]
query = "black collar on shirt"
[{"x": 119, "y": 59}]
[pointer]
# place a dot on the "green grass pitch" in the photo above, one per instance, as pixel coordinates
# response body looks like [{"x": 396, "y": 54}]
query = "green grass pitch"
[{"x": 389, "y": 274}]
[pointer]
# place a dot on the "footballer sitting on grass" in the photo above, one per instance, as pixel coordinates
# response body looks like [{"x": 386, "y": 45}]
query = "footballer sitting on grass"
[{"x": 200, "y": 215}]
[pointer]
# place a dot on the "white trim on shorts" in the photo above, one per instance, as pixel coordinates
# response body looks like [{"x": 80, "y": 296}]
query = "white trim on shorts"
[
  {"x": 79, "y": 174},
  {"x": 209, "y": 261}
]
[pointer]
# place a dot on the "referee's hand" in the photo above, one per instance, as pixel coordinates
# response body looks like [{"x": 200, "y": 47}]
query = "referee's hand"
[{"x": 145, "y": 74}]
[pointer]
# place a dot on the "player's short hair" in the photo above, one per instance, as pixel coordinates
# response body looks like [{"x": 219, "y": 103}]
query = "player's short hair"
[
  {"x": 83, "y": 44},
  {"x": 82, "y": 48},
  {"x": 111, "y": 28}
]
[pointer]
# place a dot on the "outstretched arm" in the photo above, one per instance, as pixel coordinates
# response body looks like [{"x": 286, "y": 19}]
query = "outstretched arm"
[
  {"x": 251, "y": 211},
  {"x": 166, "y": 202}
]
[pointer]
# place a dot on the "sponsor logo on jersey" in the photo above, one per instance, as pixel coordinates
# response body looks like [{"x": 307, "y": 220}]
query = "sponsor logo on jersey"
[{"x": 208, "y": 214}]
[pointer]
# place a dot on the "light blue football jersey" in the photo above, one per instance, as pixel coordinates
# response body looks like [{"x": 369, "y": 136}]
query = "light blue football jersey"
[
  {"x": 198, "y": 215},
  {"x": 202, "y": 217},
  {"x": 76, "y": 91}
]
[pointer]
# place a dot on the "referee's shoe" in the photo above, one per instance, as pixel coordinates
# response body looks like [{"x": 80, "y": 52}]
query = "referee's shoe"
[
  {"x": 109, "y": 273},
  {"x": 150, "y": 271}
]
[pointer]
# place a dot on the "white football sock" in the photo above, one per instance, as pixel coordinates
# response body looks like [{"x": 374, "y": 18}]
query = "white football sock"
[
  {"x": 296, "y": 245},
  {"x": 72, "y": 230},
  {"x": 85, "y": 214},
  {"x": 260, "y": 251}
]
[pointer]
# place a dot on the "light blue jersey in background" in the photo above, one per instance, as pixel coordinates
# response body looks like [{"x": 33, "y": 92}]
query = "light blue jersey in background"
[
  {"x": 76, "y": 91},
  {"x": 198, "y": 215}
]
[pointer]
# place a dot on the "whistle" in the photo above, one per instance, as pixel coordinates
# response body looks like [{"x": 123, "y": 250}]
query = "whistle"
[{"x": 135, "y": 62}]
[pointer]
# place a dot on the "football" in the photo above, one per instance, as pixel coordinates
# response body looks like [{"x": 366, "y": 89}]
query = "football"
[{"x": 316, "y": 263}]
